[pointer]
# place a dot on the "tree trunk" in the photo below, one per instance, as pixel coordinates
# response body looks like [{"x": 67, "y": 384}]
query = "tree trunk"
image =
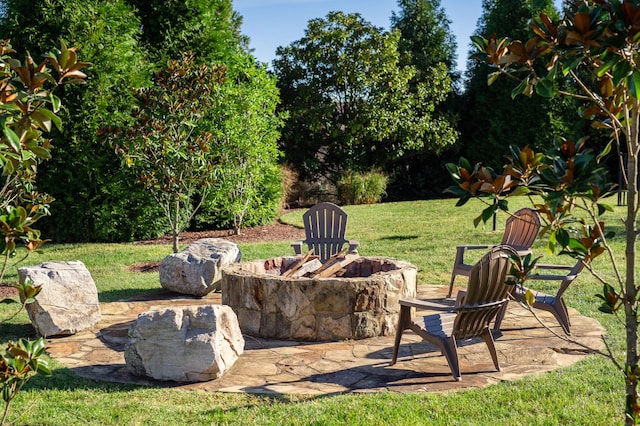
[
  {"x": 176, "y": 227},
  {"x": 631, "y": 364}
]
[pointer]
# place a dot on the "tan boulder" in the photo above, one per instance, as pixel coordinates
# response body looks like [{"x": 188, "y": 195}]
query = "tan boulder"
[
  {"x": 68, "y": 301},
  {"x": 184, "y": 344}
]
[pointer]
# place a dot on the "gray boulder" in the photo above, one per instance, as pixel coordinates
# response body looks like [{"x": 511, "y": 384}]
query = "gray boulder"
[{"x": 197, "y": 269}]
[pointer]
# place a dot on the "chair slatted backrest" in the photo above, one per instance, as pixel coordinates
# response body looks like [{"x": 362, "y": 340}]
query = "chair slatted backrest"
[
  {"x": 325, "y": 225},
  {"x": 521, "y": 229},
  {"x": 486, "y": 293}
]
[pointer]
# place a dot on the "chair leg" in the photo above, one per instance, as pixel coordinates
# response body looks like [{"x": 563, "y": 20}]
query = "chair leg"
[
  {"x": 403, "y": 323},
  {"x": 453, "y": 278},
  {"x": 562, "y": 315},
  {"x": 488, "y": 339},
  {"x": 450, "y": 352},
  {"x": 500, "y": 317}
]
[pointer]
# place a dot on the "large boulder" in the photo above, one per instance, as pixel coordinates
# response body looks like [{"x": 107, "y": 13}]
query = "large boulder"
[
  {"x": 68, "y": 301},
  {"x": 185, "y": 344},
  {"x": 197, "y": 269}
]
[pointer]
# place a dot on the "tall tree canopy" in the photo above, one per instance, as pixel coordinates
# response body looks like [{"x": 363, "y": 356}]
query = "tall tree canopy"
[
  {"x": 427, "y": 44},
  {"x": 425, "y": 37},
  {"x": 491, "y": 120},
  {"x": 125, "y": 40},
  {"x": 208, "y": 28},
  {"x": 349, "y": 99},
  {"x": 84, "y": 174}
]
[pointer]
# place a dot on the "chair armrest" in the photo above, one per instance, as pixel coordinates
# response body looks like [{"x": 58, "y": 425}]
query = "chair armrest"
[
  {"x": 545, "y": 277},
  {"x": 425, "y": 304},
  {"x": 473, "y": 247},
  {"x": 460, "y": 253},
  {"x": 297, "y": 247},
  {"x": 353, "y": 246},
  {"x": 560, "y": 267}
]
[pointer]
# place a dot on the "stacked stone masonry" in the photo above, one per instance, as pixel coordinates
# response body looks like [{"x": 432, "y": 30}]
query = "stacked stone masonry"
[{"x": 360, "y": 304}]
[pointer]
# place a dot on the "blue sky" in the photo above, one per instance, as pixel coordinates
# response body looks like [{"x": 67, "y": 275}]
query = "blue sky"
[{"x": 273, "y": 23}]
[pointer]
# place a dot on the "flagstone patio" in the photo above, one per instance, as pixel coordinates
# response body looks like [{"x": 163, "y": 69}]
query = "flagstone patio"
[{"x": 275, "y": 366}]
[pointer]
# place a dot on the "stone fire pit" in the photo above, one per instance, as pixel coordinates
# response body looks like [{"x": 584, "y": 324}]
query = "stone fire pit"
[{"x": 362, "y": 303}]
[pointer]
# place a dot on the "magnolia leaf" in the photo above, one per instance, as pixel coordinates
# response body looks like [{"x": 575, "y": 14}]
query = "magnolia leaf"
[
  {"x": 529, "y": 297},
  {"x": 607, "y": 65},
  {"x": 520, "y": 88},
  {"x": 55, "y": 103},
  {"x": 12, "y": 138},
  {"x": 41, "y": 120},
  {"x": 41, "y": 152},
  {"x": 464, "y": 163},
  {"x": 562, "y": 237},
  {"x": 600, "y": 125},
  {"x": 604, "y": 152},
  {"x": 462, "y": 201},
  {"x": 491, "y": 78},
  {"x": 545, "y": 88},
  {"x": 621, "y": 71},
  {"x": 43, "y": 367},
  {"x": 571, "y": 64},
  {"x": 605, "y": 309},
  {"x": 453, "y": 171},
  {"x": 602, "y": 208},
  {"x": 488, "y": 213},
  {"x": 479, "y": 42},
  {"x": 53, "y": 117},
  {"x": 634, "y": 83},
  {"x": 520, "y": 190},
  {"x": 577, "y": 246}
]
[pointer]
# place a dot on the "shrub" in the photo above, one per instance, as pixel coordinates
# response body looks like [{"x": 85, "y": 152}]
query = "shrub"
[
  {"x": 362, "y": 188},
  {"x": 220, "y": 209}
]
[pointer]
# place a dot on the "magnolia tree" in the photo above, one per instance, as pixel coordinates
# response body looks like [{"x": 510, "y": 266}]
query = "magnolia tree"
[
  {"x": 169, "y": 145},
  {"x": 592, "y": 54},
  {"x": 29, "y": 111}
]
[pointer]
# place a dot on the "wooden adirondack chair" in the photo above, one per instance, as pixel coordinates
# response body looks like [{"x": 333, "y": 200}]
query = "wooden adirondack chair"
[
  {"x": 484, "y": 298},
  {"x": 520, "y": 231},
  {"x": 325, "y": 225},
  {"x": 554, "y": 304}
]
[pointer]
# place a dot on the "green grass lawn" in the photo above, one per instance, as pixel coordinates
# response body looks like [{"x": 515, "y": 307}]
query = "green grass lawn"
[{"x": 425, "y": 233}]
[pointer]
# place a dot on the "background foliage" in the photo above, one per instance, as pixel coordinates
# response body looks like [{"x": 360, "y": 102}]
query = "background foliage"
[
  {"x": 403, "y": 110},
  {"x": 352, "y": 104},
  {"x": 85, "y": 175}
]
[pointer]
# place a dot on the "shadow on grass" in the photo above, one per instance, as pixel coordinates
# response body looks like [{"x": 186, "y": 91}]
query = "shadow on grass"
[
  {"x": 65, "y": 379},
  {"x": 127, "y": 293},
  {"x": 16, "y": 331},
  {"x": 399, "y": 238}
]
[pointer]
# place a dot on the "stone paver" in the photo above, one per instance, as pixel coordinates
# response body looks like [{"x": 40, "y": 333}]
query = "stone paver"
[{"x": 275, "y": 366}]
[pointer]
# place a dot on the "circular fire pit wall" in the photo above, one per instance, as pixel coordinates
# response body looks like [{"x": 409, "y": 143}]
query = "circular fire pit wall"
[{"x": 361, "y": 303}]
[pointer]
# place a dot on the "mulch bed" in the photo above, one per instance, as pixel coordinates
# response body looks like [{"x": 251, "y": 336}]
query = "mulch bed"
[
  {"x": 274, "y": 232},
  {"x": 266, "y": 233},
  {"x": 8, "y": 292}
]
